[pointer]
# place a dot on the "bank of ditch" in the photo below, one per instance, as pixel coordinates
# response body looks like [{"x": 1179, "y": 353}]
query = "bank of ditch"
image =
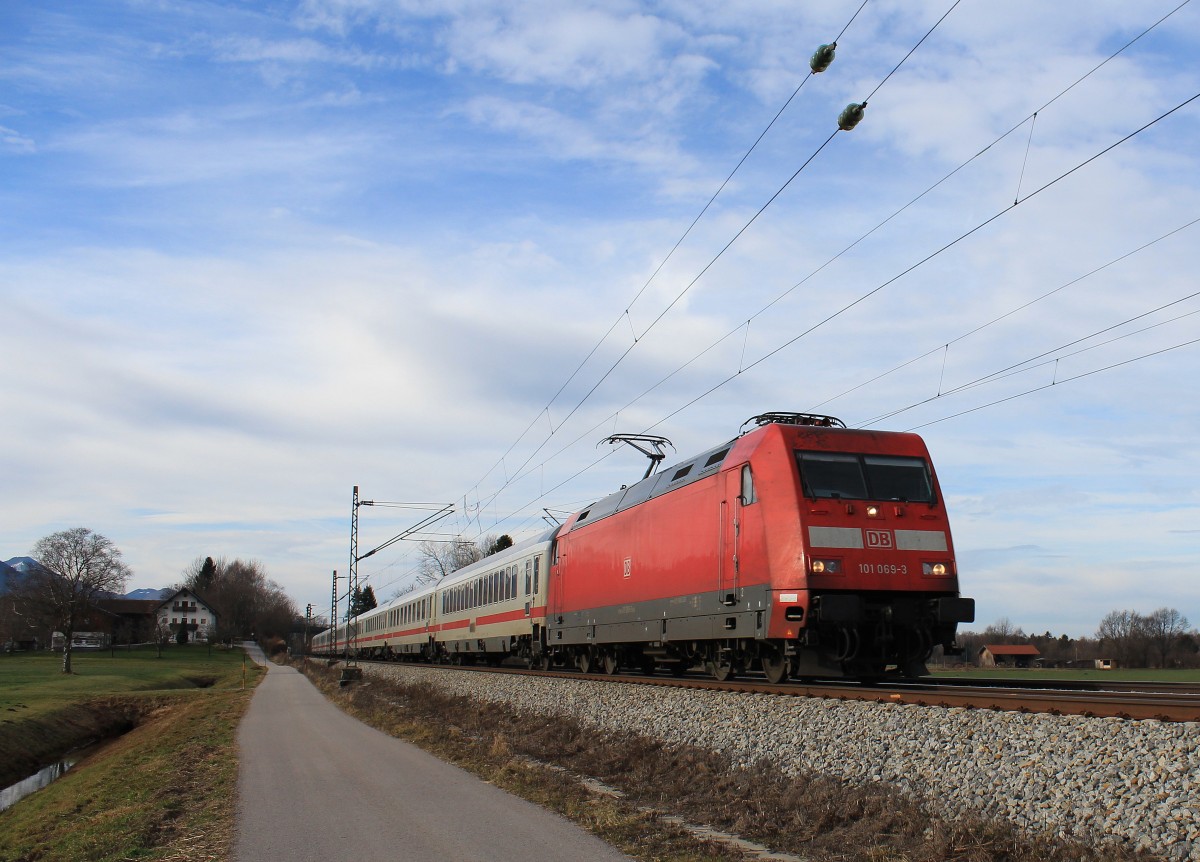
[{"x": 163, "y": 787}]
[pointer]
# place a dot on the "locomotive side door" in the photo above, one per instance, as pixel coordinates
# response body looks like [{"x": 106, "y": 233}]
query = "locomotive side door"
[{"x": 729, "y": 561}]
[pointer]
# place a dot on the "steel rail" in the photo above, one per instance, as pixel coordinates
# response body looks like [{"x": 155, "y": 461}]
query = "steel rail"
[{"x": 1173, "y": 705}]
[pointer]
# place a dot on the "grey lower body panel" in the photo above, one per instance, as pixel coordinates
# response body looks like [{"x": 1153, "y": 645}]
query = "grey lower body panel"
[{"x": 740, "y": 613}]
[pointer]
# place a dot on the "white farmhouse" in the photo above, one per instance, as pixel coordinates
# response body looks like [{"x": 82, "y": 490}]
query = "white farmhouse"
[{"x": 184, "y": 609}]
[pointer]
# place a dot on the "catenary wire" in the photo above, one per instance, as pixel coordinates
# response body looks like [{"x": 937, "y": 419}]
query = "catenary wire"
[
  {"x": 728, "y": 379},
  {"x": 927, "y": 191},
  {"x": 1029, "y": 364},
  {"x": 694, "y": 281},
  {"x": 1052, "y": 384},
  {"x": 1006, "y": 315},
  {"x": 625, "y": 313}
]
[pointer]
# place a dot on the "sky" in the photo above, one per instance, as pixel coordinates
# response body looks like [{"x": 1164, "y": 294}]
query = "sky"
[{"x": 253, "y": 255}]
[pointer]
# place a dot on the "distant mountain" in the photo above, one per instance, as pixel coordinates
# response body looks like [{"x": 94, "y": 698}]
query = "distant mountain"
[
  {"x": 146, "y": 594},
  {"x": 15, "y": 569},
  {"x": 7, "y": 573},
  {"x": 23, "y": 564}
]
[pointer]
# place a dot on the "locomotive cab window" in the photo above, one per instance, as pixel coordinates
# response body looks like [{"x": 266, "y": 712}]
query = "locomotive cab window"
[
  {"x": 840, "y": 476},
  {"x": 894, "y": 478}
]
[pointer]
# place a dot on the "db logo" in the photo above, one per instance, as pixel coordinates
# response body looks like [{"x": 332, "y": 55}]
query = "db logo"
[{"x": 880, "y": 539}]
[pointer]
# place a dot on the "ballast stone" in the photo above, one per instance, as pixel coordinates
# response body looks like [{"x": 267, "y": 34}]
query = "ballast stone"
[{"x": 1101, "y": 779}]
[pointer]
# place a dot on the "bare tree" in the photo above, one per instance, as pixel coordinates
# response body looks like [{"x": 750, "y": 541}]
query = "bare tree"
[
  {"x": 1002, "y": 631},
  {"x": 162, "y": 634},
  {"x": 77, "y": 565},
  {"x": 1124, "y": 634},
  {"x": 439, "y": 559},
  {"x": 1164, "y": 628}
]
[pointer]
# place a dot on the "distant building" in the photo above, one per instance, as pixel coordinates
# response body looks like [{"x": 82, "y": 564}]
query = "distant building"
[
  {"x": 133, "y": 620},
  {"x": 185, "y": 610},
  {"x": 81, "y": 640},
  {"x": 1008, "y": 655}
]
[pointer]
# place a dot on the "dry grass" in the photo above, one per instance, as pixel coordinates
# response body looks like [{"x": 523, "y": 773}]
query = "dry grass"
[
  {"x": 813, "y": 816},
  {"x": 166, "y": 790}
]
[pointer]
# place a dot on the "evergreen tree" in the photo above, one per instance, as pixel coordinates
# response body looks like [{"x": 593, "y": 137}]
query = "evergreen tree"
[
  {"x": 208, "y": 574},
  {"x": 362, "y": 600}
]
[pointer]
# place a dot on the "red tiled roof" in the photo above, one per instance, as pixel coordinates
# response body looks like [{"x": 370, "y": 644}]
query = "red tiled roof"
[{"x": 1012, "y": 649}]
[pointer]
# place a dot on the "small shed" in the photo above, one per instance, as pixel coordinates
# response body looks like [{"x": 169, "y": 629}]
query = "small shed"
[{"x": 1008, "y": 655}]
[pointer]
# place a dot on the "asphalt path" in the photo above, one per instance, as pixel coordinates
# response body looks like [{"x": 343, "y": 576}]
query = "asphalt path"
[{"x": 315, "y": 784}]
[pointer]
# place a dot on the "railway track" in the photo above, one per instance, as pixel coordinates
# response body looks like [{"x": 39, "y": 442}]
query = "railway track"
[{"x": 1125, "y": 700}]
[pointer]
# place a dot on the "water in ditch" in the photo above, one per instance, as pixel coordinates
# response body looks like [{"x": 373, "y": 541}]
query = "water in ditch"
[{"x": 13, "y": 794}]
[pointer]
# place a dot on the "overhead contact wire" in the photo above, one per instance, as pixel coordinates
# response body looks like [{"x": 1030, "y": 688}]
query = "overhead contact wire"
[
  {"x": 1006, "y": 314},
  {"x": 729, "y": 379},
  {"x": 1027, "y": 364},
  {"x": 1062, "y": 382},
  {"x": 653, "y": 275}
]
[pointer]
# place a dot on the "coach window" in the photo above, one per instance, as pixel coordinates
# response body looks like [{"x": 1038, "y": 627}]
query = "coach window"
[
  {"x": 537, "y": 564},
  {"x": 748, "y": 495},
  {"x": 528, "y": 576},
  {"x": 512, "y": 582}
]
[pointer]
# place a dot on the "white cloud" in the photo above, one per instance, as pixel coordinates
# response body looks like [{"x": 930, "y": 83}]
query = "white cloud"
[{"x": 280, "y": 258}]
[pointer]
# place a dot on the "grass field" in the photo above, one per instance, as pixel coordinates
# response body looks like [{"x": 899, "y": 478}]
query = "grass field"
[
  {"x": 1191, "y": 675},
  {"x": 166, "y": 789}
]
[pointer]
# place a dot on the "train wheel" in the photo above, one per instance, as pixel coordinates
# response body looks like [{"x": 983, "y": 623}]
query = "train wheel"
[
  {"x": 649, "y": 665},
  {"x": 584, "y": 662},
  {"x": 722, "y": 670},
  {"x": 776, "y": 667},
  {"x": 610, "y": 664}
]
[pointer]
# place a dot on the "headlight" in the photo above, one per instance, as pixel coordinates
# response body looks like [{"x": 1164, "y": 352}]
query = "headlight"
[
  {"x": 826, "y": 567},
  {"x": 937, "y": 569}
]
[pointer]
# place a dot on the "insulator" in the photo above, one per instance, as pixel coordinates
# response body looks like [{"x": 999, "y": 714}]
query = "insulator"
[
  {"x": 851, "y": 115},
  {"x": 822, "y": 58}
]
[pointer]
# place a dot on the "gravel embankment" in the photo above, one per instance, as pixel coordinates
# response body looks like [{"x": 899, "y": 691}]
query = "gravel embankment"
[{"x": 1112, "y": 779}]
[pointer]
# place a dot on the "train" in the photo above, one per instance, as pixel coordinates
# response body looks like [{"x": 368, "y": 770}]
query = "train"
[{"x": 801, "y": 548}]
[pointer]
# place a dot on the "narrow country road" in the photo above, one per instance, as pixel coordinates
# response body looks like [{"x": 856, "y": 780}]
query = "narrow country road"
[{"x": 316, "y": 785}]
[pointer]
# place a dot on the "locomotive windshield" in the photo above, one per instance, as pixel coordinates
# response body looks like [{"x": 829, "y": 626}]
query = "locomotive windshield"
[{"x": 865, "y": 477}]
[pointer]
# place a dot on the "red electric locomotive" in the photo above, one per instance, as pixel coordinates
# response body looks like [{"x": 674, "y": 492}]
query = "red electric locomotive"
[{"x": 801, "y": 546}]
